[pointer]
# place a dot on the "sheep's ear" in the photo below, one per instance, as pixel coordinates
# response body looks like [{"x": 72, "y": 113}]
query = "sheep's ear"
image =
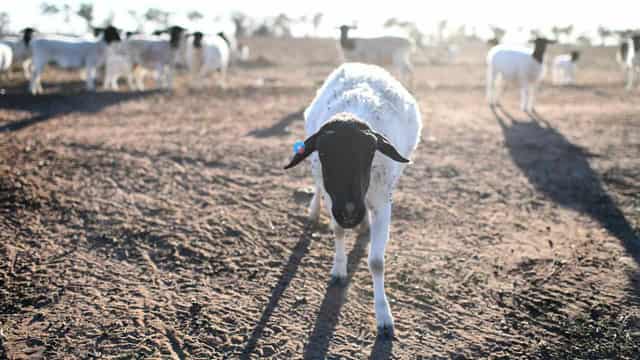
[
  {"x": 384, "y": 146},
  {"x": 309, "y": 147}
]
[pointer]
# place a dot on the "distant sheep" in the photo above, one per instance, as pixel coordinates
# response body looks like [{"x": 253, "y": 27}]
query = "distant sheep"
[
  {"x": 516, "y": 64},
  {"x": 20, "y": 47},
  {"x": 6, "y": 59},
  {"x": 70, "y": 53},
  {"x": 388, "y": 51},
  {"x": 362, "y": 128},
  {"x": 207, "y": 53},
  {"x": 632, "y": 60},
  {"x": 564, "y": 68},
  {"x": 158, "y": 53}
]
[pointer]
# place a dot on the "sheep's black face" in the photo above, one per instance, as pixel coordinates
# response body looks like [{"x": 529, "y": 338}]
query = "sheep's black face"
[
  {"x": 540, "y": 46},
  {"x": 27, "y": 34},
  {"x": 224, "y": 37},
  {"x": 111, "y": 34},
  {"x": 636, "y": 42},
  {"x": 175, "y": 36},
  {"x": 345, "y": 42},
  {"x": 346, "y": 147},
  {"x": 346, "y": 150},
  {"x": 575, "y": 55},
  {"x": 197, "y": 39}
]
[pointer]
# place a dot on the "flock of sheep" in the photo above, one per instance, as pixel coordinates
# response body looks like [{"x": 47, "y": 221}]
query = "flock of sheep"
[
  {"x": 129, "y": 55},
  {"x": 361, "y": 128}
]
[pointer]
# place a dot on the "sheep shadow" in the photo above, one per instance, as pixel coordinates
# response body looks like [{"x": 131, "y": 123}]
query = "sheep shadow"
[
  {"x": 561, "y": 171},
  {"x": 280, "y": 128},
  {"x": 48, "y": 106},
  {"x": 289, "y": 271},
  {"x": 335, "y": 297}
]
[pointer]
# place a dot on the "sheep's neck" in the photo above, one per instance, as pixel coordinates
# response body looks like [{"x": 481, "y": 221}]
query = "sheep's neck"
[
  {"x": 538, "y": 53},
  {"x": 346, "y": 43}
]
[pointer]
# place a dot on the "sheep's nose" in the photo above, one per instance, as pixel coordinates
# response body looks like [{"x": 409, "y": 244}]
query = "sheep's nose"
[{"x": 350, "y": 208}]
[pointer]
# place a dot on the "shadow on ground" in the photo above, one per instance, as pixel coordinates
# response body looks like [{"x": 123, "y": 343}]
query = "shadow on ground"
[
  {"x": 561, "y": 171},
  {"x": 50, "y": 105},
  {"x": 281, "y": 127}
]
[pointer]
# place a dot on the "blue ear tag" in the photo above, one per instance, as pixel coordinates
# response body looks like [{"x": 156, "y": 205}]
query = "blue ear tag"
[{"x": 298, "y": 147}]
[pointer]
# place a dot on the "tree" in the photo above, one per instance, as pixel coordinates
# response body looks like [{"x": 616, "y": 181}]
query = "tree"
[
  {"x": 317, "y": 20},
  {"x": 240, "y": 21},
  {"x": 556, "y": 32},
  {"x": 194, "y": 15},
  {"x": 157, "y": 16},
  {"x": 48, "y": 9},
  {"x": 604, "y": 33},
  {"x": 86, "y": 12},
  {"x": 498, "y": 32},
  {"x": 583, "y": 40},
  {"x": 282, "y": 25},
  {"x": 4, "y": 22}
]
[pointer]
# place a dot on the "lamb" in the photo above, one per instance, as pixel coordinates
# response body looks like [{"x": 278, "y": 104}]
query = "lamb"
[
  {"x": 6, "y": 59},
  {"x": 517, "y": 64},
  {"x": 206, "y": 54},
  {"x": 632, "y": 60},
  {"x": 158, "y": 53},
  {"x": 388, "y": 51},
  {"x": 564, "y": 68},
  {"x": 70, "y": 53},
  {"x": 21, "y": 50},
  {"x": 360, "y": 108}
]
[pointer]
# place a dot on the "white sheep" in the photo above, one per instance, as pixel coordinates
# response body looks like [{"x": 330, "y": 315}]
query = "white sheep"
[
  {"x": 360, "y": 109},
  {"x": 21, "y": 50},
  {"x": 632, "y": 60},
  {"x": 564, "y": 68},
  {"x": 519, "y": 65},
  {"x": 388, "y": 51},
  {"x": 70, "y": 53},
  {"x": 206, "y": 53},
  {"x": 159, "y": 53},
  {"x": 6, "y": 59},
  {"x": 119, "y": 64}
]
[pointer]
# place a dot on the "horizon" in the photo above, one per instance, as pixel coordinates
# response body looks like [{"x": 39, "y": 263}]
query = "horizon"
[{"x": 510, "y": 17}]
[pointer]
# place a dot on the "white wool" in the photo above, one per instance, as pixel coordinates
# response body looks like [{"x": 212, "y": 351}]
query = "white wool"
[
  {"x": 513, "y": 64},
  {"x": 66, "y": 52},
  {"x": 376, "y": 98},
  {"x": 6, "y": 56},
  {"x": 564, "y": 70},
  {"x": 214, "y": 55}
]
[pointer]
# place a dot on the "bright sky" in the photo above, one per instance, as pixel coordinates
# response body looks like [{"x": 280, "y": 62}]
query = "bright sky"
[{"x": 509, "y": 14}]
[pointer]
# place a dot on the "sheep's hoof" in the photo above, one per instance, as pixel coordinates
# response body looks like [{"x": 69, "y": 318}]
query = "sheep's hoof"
[
  {"x": 337, "y": 280},
  {"x": 386, "y": 332}
]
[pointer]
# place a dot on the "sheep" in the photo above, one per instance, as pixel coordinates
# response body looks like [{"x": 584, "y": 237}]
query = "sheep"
[
  {"x": 632, "y": 60},
  {"x": 6, "y": 59},
  {"x": 159, "y": 54},
  {"x": 359, "y": 109},
  {"x": 21, "y": 50},
  {"x": 516, "y": 64},
  {"x": 237, "y": 52},
  {"x": 207, "y": 53},
  {"x": 388, "y": 51},
  {"x": 564, "y": 68},
  {"x": 70, "y": 53}
]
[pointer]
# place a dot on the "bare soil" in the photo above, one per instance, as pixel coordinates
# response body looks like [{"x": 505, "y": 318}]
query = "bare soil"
[{"x": 161, "y": 225}]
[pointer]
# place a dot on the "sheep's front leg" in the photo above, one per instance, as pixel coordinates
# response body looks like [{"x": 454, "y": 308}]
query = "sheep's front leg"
[
  {"x": 339, "y": 269},
  {"x": 524, "y": 97},
  {"x": 532, "y": 97},
  {"x": 91, "y": 78},
  {"x": 314, "y": 206},
  {"x": 379, "y": 237}
]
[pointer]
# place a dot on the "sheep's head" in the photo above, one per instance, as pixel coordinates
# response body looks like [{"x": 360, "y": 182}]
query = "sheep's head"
[
  {"x": 197, "y": 39},
  {"x": 176, "y": 33},
  {"x": 575, "y": 55},
  {"x": 635, "y": 39},
  {"x": 345, "y": 42},
  {"x": 540, "y": 46},
  {"x": 111, "y": 34},
  {"x": 27, "y": 34},
  {"x": 346, "y": 147}
]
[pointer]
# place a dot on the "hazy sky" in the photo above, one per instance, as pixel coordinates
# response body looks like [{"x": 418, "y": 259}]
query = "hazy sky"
[{"x": 510, "y": 14}]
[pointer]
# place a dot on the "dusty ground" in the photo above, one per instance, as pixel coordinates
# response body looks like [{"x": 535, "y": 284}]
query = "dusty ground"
[{"x": 148, "y": 225}]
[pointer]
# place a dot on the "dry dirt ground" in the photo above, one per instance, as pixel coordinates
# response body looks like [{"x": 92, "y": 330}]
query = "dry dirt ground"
[{"x": 156, "y": 225}]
